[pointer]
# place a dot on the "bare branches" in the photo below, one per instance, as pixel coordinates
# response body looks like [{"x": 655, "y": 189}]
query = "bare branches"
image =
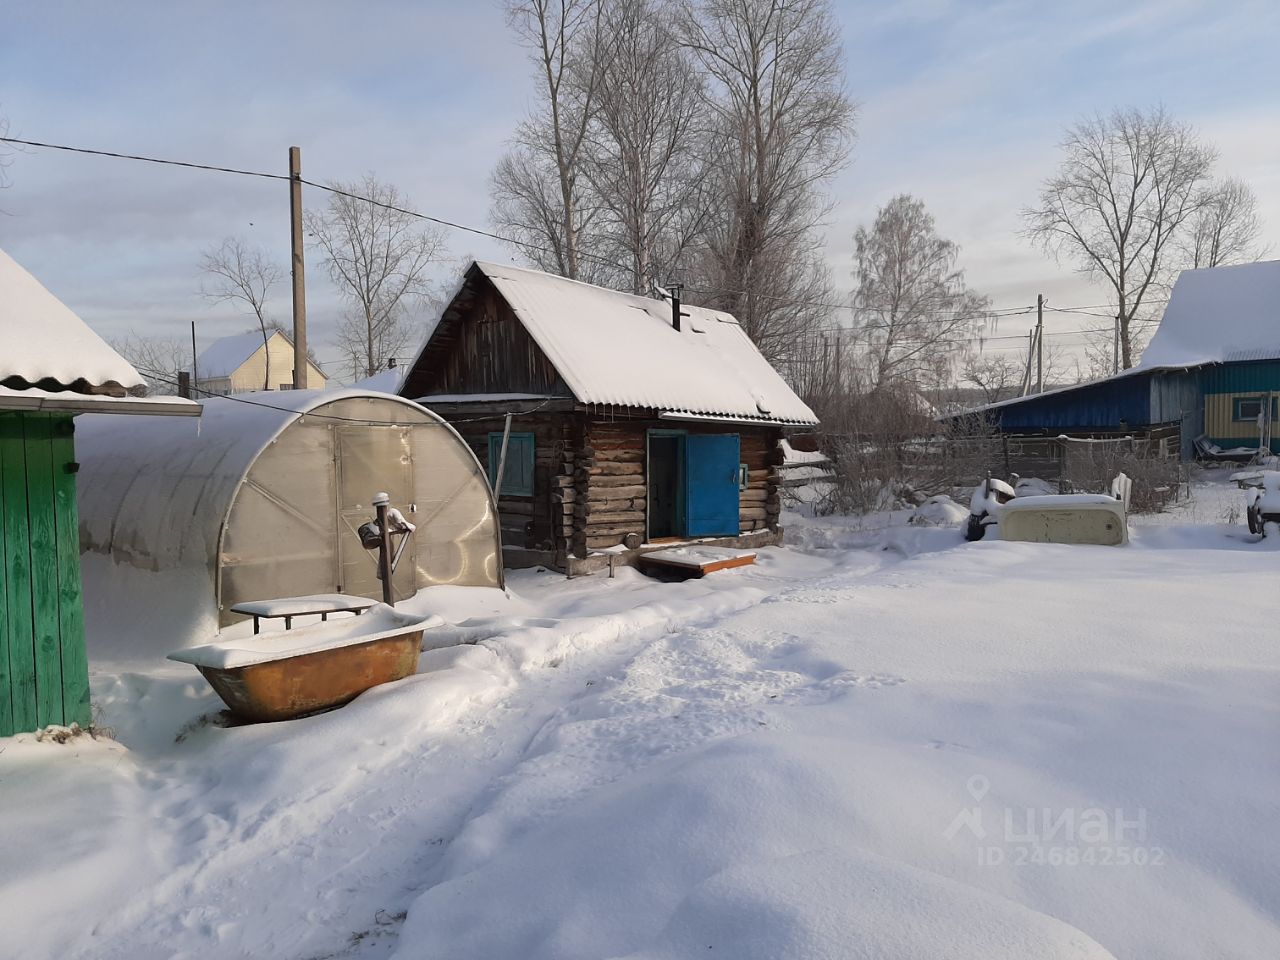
[
  {"x": 911, "y": 306},
  {"x": 537, "y": 186},
  {"x": 1226, "y": 228},
  {"x": 1128, "y": 186},
  {"x": 998, "y": 375},
  {"x": 157, "y": 358},
  {"x": 379, "y": 258},
  {"x": 782, "y": 125},
  {"x": 243, "y": 275},
  {"x": 683, "y": 139},
  {"x": 645, "y": 145}
]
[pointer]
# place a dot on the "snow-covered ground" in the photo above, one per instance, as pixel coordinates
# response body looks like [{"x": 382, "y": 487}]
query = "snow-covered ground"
[{"x": 879, "y": 742}]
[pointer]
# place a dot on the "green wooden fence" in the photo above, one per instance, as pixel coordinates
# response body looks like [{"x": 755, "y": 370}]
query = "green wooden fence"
[{"x": 44, "y": 675}]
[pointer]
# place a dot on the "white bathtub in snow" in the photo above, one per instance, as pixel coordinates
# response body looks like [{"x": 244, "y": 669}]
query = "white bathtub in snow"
[{"x": 1070, "y": 518}]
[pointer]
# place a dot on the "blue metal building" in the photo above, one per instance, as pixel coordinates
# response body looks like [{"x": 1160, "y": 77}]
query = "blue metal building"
[{"x": 1212, "y": 371}]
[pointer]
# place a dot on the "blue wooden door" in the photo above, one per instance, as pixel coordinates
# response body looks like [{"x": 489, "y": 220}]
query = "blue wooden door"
[{"x": 711, "y": 484}]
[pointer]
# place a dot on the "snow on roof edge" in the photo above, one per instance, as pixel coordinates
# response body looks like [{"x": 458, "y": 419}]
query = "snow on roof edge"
[{"x": 68, "y": 350}]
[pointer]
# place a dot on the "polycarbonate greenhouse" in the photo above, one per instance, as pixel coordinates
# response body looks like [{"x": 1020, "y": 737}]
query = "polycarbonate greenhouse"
[{"x": 262, "y": 497}]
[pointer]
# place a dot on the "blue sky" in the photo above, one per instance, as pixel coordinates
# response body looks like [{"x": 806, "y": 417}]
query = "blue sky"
[{"x": 962, "y": 103}]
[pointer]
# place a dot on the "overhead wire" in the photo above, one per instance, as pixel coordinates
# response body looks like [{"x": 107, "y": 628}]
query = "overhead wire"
[
  {"x": 996, "y": 314},
  {"x": 165, "y": 378}
]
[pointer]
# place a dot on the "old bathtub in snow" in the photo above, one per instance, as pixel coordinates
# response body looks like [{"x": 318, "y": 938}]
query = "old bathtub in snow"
[
  {"x": 278, "y": 676},
  {"x": 1069, "y": 518}
]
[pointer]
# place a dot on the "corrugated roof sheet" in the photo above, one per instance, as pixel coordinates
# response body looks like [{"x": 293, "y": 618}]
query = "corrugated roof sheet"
[
  {"x": 618, "y": 348},
  {"x": 42, "y": 340},
  {"x": 1219, "y": 314}
]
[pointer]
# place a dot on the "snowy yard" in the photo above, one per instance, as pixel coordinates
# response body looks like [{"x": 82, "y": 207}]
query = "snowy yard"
[{"x": 878, "y": 742}]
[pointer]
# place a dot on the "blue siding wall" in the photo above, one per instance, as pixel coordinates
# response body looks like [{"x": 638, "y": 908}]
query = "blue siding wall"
[
  {"x": 1241, "y": 377},
  {"x": 1097, "y": 406}
]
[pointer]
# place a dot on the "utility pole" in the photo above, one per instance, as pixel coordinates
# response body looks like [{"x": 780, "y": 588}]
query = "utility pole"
[
  {"x": 1026, "y": 374},
  {"x": 1039, "y": 343},
  {"x": 195, "y": 374},
  {"x": 1115, "y": 348},
  {"x": 299, "y": 284}
]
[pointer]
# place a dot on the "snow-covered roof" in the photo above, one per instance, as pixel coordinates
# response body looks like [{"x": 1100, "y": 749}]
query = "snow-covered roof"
[
  {"x": 384, "y": 381},
  {"x": 618, "y": 348},
  {"x": 225, "y": 356},
  {"x": 1219, "y": 314},
  {"x": 68, "y": 401},
  {"x": 42, "y": 340}
]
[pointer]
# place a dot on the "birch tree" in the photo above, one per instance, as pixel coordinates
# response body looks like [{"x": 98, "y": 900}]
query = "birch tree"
[
  {"x": 1226, "y": 228},
  {"x": 379, "y": 257},
  {"x": 783, "y": 126},
  {"x": 1128, "y": 187},
  {"x": 158, "y": 358},
  {"x": 645, "y": 143},
  {"x": 540, "y": 196},
  {"x": 241, "y": 274},
  {"x": 912, "y": 307}
]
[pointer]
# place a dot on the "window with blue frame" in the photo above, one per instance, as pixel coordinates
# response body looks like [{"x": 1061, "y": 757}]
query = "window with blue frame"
[
  {"x": 1246, "y": 409},
  {"x": 517, "y": 476}
]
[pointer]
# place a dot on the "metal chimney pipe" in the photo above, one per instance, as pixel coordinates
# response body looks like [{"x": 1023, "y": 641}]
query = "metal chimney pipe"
[{"x": 675, "y": 289}]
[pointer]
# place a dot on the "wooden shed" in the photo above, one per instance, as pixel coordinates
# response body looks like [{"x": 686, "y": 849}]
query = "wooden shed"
[
  {"x": 633, "y": 422},
  {"x": 52, "y": 367}
]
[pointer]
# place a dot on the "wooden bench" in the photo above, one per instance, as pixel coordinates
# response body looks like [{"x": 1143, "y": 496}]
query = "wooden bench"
[{"x": 286, "y": 608}]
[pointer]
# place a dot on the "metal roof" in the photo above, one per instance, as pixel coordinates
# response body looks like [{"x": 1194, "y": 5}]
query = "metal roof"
[
  {"x": 621, "y": 349},
  {"x": 1219, "y": 314},
  {"x": 43, "y": 341}
]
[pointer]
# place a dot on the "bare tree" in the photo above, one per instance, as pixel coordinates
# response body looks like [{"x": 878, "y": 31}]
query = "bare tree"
[
  {"x": 643, "y": 151},
  {"x": 911, "y": 306},
  {"x": 1128, "y": 186},
  {"x": 158, "y": 358},
  {"x": 1226, "y": 228},
  {"x": 782, "y": 126},
  {"x": 538, "y": 187},
  {"x": 998, "y": 375},
  {"x": 243, "y": 275},
  {"x": 379, "y": 257}
]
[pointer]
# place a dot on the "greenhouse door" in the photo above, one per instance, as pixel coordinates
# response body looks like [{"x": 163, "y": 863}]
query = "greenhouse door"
[
  {"x": 711, "y": 484},
  {"x": 371, "y": 459}
]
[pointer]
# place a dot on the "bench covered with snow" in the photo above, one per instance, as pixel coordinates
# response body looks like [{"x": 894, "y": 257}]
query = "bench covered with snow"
[{"x": 286, "y": 608}]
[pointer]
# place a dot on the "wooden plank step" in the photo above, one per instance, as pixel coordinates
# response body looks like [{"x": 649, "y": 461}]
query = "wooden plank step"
[{"x": 687, "y": 562}]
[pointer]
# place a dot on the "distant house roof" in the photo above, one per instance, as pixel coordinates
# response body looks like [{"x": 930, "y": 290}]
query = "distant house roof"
[
  {"x": 1217, "y": 315},
  {"x": 1214, "y": 315},
  {"x": 43, "y": 342},
  {"x": 621, "y": 349},
  {"x": 225, "y": 356},
  {"x": 51, "y": 360}
]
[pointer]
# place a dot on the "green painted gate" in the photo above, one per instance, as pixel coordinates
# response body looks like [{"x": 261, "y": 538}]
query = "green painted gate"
[{"x": 44, "y": 675}]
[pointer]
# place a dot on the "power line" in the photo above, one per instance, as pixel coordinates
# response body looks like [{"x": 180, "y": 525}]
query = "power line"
[
  {"x": 488, "y": 234},
  {"x": 131, "y": 156},
  {"x": 476, "y": 231},
  {"x": 164, "y": 378}
]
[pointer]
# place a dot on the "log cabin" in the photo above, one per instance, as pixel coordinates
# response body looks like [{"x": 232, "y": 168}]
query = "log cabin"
[{"x": 633, "y": 422}]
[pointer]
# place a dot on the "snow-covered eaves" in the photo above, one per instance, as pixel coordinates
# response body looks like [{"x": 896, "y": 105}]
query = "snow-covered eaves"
[
  {"x": 729, "y": 418},
  {"x": 1219, "y": 315},
  {"x": 480, "y": 397},
  {"x": 68, "y": 401},
  {"x": 42, "y": 342},
  {"x": 225, "y": 356},
  {"x": 621, "y": 349}
]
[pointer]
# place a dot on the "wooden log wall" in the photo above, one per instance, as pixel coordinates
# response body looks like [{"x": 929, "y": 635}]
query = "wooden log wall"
[
  {"x": 610, "y": 481},
  {"x": 610, "y": 488},
  {"x": 534, "y": 522},
  {"x": 590, "y": 487}
]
